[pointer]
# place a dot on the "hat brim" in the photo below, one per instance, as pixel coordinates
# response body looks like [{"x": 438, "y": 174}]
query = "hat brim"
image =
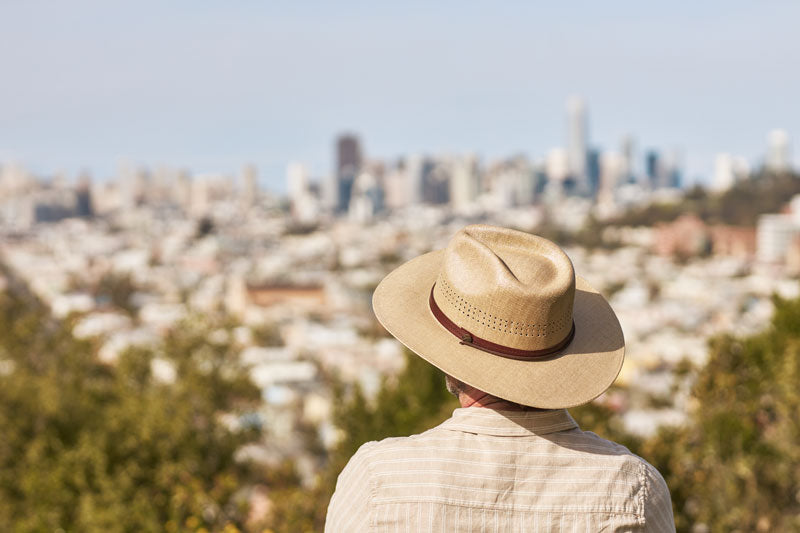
[{"x": 574, "y": 376}]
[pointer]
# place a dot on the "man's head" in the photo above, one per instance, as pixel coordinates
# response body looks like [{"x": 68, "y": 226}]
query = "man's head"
[{"x": 503, "y": 312}]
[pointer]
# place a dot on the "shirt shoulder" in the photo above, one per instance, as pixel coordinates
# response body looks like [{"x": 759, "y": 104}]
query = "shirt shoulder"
[{"x": 656, "y": 502}]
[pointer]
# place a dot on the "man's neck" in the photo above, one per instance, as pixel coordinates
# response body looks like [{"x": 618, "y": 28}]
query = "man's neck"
[{"x": 473, "y": 397}]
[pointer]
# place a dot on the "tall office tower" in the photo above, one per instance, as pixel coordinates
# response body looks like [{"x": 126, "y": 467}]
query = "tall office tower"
[
  {"x": 463, "y": 181},
  {"x": 348, "y": 165},
  {"x": 249, "y": 191},
  {"x": 435, "y": 182},
  {"x": 628, "y": 152},
  {"x": 778, "y": 152},
  {"x": 83, "y": 196},
  {"x": 652, "y": 169},
  {"x": 673, "y": 169},
  {"x": 577, "y": 137},
  {"x": 593, "y": 170}
]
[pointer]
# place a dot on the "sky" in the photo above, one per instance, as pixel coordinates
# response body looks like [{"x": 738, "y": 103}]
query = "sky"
[{"x": 211, "y": 86}]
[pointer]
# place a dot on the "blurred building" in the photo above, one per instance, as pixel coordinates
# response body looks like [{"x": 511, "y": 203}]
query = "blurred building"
[
  {"x": 593, "y": 170},
  {"x": 435, "y": 182},
  {"x": 396, "y": 189},
  {"x": 296, "y": 181},
  {"x": 416, "y": 168},
  {"x": 14, "y": 179},
  {"x": 733, "y": 241},
  {"x": 464, "y": 181},
  {"x": 728, "y": 170},
  {"x": 628, "y": 152},
  {"x": 776, "y": 234},
  {"x": 249, "y": 186},
  {"x": 687, "y": 236},
  {"x": 557, "y": 169},
  {"x": 577, "y": 140},
  {"x": 348, "y": 165},
  {"x": 83, "y": 196},
  {"x": 612, "y": 174},
  {"x": 778, "y": 152},
  {"x": 653, "y": 169},
  {"x": 367, "y": 198}
]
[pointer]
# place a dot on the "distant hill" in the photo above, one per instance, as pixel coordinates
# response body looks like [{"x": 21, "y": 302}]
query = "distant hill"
[{"x": 739, "y": 206}]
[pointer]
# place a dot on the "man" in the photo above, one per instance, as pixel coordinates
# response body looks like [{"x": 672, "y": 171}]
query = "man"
[{"x": 520, "y": 338}]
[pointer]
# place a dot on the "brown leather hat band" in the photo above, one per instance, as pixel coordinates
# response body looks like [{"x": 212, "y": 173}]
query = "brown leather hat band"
[{"x": 469, "y": 339}]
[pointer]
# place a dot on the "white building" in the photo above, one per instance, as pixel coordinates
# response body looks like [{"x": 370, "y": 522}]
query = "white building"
[
  {"x": 728, "y": 170},
  {"x": 778, "y": 151},
  {"x": 775, "y": 234},
  {"x": 463, "y": 181}
]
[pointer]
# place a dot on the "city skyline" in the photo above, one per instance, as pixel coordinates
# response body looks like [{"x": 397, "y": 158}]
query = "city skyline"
[{"x": 212, "y": 89}]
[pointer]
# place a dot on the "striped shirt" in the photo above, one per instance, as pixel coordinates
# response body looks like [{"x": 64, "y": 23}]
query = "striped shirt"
[{"x": 498, "y": 471}]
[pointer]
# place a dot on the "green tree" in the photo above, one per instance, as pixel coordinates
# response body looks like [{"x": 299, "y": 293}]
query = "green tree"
[
  {"x": 89, "y": 447},
  {"x": 736, "y": 464}
]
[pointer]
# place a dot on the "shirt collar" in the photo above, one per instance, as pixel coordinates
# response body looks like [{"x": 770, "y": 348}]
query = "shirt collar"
[{"x": 483, "y": 421}]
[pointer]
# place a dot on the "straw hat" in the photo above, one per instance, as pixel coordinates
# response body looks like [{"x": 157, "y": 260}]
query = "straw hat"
[{"x": 503, "y": 311}]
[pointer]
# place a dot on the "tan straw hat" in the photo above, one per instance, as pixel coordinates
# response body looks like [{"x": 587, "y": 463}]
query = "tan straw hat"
[{"x": 503, "y": 311}]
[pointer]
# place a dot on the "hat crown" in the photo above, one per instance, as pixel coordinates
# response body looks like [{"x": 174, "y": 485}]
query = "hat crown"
[{"x": 509, "y": 287}]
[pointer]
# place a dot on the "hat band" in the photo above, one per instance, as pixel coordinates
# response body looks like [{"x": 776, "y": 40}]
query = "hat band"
[{"x": 468, "y": 339}]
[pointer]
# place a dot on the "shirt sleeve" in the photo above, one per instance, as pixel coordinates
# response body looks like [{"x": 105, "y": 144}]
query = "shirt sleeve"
[
  {"x": 349, "y": 509},
  {"x": 658, "y": 504}
]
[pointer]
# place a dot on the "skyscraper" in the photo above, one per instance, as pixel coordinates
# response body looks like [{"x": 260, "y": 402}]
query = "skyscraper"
[
  {"x": 83, "y": 196},
  {"x": 628, "y": 152},
  {"x": 348, "y": 165},
  {"x": 577, "y": 138},
  {"x": 653, "y": 170},
  {"x": 593, "y": 170}
]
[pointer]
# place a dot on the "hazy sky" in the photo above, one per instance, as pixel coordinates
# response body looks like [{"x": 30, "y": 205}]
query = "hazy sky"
[{"x": 212, "y": 85}]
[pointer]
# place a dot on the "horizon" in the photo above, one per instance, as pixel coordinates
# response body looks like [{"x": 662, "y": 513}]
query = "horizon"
[{"x": 213, "y": 88}]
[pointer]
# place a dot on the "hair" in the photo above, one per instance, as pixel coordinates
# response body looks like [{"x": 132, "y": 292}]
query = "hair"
[{"x": 456, "y": 387}]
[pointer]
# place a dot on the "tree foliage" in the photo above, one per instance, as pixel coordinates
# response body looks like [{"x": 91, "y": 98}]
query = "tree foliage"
[
  {"x": 736, "y": 465},
  {"x": 89, "y": 447},
  {"x": 739, "y": 206}
]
